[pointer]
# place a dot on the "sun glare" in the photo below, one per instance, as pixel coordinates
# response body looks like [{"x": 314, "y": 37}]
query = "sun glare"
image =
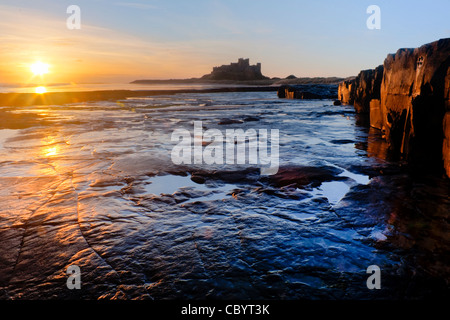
[
  {"x": 39, "y": 68},
  {"x": 40, "y": 90}
]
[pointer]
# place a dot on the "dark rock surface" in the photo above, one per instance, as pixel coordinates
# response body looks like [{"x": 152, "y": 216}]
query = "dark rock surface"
[
  {"x": 446, "y": 125},
  {"x": 98, "y": 190},
  {"x": 446, "y": 144},
  {"x": 301, "y": 176},
  {"x": 311, "y": 91}
]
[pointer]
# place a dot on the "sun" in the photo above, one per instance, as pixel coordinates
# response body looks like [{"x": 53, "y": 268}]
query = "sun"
[
  {"x": 40, "y": 90},
  {"x": 39, "y": 68}
]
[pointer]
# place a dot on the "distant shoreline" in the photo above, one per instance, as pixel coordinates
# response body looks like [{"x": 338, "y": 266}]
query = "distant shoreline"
[
  {"x": 58, "y": 98},
  {"x": 264, "y": 82}
]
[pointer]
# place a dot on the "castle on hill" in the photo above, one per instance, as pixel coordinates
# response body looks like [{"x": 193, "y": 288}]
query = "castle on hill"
[{"x": 241, "y": 70}]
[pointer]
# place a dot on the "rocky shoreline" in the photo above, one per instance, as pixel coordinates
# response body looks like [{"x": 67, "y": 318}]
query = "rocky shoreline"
[
  {"x": 407, "y": 99},
  {"x": 308, "y": 91}
]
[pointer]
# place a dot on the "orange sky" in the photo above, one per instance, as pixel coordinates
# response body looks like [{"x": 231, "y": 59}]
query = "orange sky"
[
  {"x": 92, "y": 54},
  {"x": 121, "y": 41}
]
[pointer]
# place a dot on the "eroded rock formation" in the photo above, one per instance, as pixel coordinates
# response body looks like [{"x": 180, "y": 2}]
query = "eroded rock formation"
[
  {"x": 367, "y": 87},
  {"x": 410, "y": 103},
  {"x": 345, "y": 93},
  {"x": 361, "y": 90},
  {"x": 412, "y": 100}
]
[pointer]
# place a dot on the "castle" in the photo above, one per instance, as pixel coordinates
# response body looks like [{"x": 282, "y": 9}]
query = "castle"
[{"x": 241, "y": 70}]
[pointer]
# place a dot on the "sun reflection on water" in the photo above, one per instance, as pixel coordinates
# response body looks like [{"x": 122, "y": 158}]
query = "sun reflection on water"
[
  {"x": 52, "y": 151},
  {"x": 50, "y": 147}
]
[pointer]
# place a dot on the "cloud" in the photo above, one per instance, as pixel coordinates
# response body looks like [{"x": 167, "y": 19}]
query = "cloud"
[{"x": 29, "y": 35}]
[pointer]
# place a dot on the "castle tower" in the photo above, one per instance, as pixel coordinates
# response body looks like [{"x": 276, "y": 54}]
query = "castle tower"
[{"x": 240, "y": 70}]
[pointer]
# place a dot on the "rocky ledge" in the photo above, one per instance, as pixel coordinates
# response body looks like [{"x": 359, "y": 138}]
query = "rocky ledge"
[
  {"x": 407, "y": 98},
  {"x": 308, "y": 91}
]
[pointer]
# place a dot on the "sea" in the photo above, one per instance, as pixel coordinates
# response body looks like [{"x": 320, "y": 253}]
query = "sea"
[
  {"x": 80, "y": 87},
  {"x": 95, "y": 185}
]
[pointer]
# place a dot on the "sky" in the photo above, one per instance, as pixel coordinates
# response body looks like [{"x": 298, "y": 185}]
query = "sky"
[{"x": 120, "y": 41}]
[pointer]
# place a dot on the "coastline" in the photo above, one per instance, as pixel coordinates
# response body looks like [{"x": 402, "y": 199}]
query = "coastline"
[
  {"x": 263, "y": 82},
  {"x": 23, "y": 99},
  {"x": 55, "y": 98}
]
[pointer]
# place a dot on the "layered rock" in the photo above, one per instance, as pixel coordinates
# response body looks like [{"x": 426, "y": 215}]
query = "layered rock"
[
  {"x": 361, "y": 90},
  {"x": 408, "y": 98},
  {"x": 413, "y": 101}
]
